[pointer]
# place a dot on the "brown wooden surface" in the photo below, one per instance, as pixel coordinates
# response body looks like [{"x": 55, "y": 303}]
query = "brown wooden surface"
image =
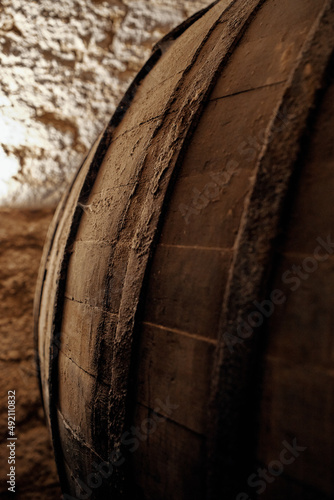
[
  {"x": 135, "y": 282},
  {"x": 298, "y": 387}
]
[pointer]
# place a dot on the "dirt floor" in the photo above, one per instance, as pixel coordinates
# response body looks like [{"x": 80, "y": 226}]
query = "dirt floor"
[{"x": 22, "y": 234}]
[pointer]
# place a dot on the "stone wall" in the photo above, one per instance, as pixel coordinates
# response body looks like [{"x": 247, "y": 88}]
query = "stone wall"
[{"x": 64, "y": 67}]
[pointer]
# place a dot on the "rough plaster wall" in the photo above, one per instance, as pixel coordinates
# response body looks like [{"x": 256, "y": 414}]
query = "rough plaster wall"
[
  {"x": 22, "y": 235},
  {"x": 64, "y": 67}
]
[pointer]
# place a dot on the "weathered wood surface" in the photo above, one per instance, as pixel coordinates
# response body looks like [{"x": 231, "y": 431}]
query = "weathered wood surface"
[{"x": 163, "y": 243}]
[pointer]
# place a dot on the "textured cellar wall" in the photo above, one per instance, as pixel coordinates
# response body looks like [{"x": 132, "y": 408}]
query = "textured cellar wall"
[
  {"x": 64, "y": 67},
  {"x": 22, "y": 235}
]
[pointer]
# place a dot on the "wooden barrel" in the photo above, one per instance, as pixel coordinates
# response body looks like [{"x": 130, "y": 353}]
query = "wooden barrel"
[{"x": 184, "y": 305}]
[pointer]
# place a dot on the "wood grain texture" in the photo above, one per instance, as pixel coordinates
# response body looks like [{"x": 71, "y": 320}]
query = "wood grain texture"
[
  {"x": 253, "y": 257},
  {"x": 298, "y": 385},
  {"x": 164, "y": 242}
]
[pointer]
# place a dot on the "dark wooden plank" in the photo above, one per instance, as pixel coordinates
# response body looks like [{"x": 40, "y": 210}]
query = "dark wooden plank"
[
  {"x": 157, "y": 461},
  {"x": 269, "y": 49},
  {"x": 83, "y": 401},
  {"x": 87, "y": 338},
  {"x": 186, "y": 288},
  {"x": 209, "y": 198},
  {"x": 300, "y": 329},
  {"x": 298, "y": 405},
  {"x": 177, "y": 368}
]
